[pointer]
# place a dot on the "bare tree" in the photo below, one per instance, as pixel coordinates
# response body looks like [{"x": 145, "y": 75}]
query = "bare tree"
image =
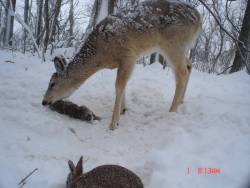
[
  {"x": 13, "y": 7},
  {"x": 7, "y": 23},
  {"x": 213, "y": 51},
  {"x": 111, "y": 6},
  {"x": 46, "y": 25},
  {"x": 2, "y": 25},
  {"x": 55, "y": 19},
  {"x": 241, "y": 55},
  {"x": 39, "y": 21},
  {"x": 71, "y": 23},
  {"x": 103, "y": 10},
  {"x": 26, "y": 17},
  {"x": 95, "y": 12},
  {"x": 0, "y": 15},
  {"x": 19, "y": 19}
]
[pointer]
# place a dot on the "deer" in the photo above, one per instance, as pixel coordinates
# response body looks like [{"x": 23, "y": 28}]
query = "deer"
[{"x": 117, "y": 42}]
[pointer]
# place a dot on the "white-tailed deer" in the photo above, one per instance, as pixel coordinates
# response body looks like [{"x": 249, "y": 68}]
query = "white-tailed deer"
[{"x": 118, "y": 40}]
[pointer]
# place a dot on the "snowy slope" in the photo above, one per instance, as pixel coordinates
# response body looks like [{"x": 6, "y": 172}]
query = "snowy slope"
[{"x": 210, "y": 130}]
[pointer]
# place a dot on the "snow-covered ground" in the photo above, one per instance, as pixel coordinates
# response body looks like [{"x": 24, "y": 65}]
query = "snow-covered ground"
[{"x": 210, "y": 130}]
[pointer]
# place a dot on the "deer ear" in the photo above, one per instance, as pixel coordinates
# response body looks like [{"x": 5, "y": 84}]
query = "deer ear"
[
  {"x": 60, "y": 64},
  {"x": 79, "y": 167},
  {"x": 71, "y": 166}
]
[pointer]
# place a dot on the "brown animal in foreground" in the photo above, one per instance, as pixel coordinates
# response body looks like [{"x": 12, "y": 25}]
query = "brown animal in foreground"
[
  {"x": 73, "y": 110},
  {"x": 106, "y": 176},
  {"x": 118, "y": 40}
]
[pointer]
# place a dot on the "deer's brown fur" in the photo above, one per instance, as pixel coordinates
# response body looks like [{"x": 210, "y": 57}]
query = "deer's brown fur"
[{"x": 118, "y": 40}]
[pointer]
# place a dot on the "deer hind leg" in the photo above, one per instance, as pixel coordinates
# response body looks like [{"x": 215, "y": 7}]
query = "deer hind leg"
[
  {"x": 178, "y": 60},
  {"x": 189, "y": 68},
  {"x": 123, "y": 74}
]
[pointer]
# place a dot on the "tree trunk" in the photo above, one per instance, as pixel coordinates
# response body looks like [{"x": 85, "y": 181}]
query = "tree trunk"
[
  {"x": 39, "y": 21},
  {"x": 25, "y": 15},
  {"x": 30, "y": 10},
  {"x": 9, "y": 24},
  {"x": 95, "y": 12},
  {"x": 2, "y": 26},
  {"x": 111, "y": 6},
  {"x": 1, "y": 16},
  {"x": 13, "y": 7},
  {"x": 46, "y": 25},
  {"x": 6, "y": 23},
  {"x": 55, "y": 19},
  {"x": 102, "y": 10},
  {"x": 240, "y": 59},
  {"x": 71, "y": 23}
]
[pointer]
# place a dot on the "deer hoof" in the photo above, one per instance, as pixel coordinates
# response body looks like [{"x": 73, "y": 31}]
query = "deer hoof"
[{"x": 113, "y": 126}]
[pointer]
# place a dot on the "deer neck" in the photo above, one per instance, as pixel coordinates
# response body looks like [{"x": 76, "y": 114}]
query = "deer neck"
[
  {"x": 84, "y": 64},
  {"x": 80, "y": 72}
]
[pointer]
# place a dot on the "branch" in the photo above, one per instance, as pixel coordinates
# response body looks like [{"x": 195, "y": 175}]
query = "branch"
[
  {"x": 222, "y": 27},
  {"x": 230, "y": 21},
  {"x": 224, "y": 70},
  {"x": 23, "y": 181}
]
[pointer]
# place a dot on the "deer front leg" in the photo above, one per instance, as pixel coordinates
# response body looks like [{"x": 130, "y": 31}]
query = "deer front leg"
[
  {"x": 181, "y": 75},
  {"x": 117, "y": 108},
  {"x": 123, "y": 75},
  {"x": 123, "y": 106}
]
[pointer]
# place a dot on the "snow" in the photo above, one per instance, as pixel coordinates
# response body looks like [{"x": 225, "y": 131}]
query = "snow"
[{"x": 210, "y": 130}]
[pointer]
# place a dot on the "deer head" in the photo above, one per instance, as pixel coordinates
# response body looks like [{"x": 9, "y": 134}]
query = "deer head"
[{"x": 61, "y": 85}]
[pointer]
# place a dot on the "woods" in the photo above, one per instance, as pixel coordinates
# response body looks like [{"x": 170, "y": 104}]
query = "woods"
[{"x": 55, "y": 24}]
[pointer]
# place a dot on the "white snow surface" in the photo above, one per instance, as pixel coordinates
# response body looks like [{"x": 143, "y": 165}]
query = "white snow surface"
[{"x": 210, "y": 130}]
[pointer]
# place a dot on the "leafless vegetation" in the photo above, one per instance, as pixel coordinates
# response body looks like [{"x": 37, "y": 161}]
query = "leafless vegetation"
[{"x": 223, "y": 46}]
